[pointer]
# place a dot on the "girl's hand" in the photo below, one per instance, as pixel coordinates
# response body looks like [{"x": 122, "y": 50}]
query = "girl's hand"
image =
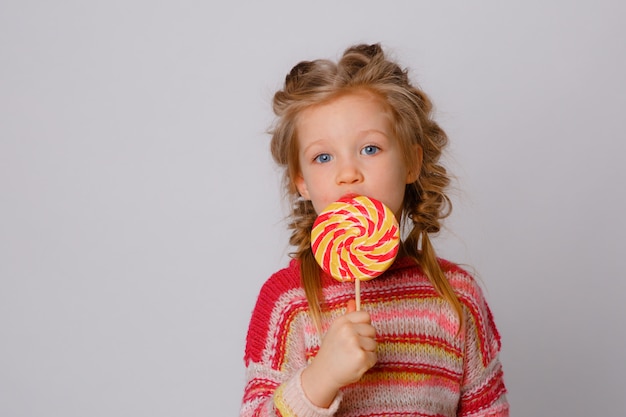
[{"x": 348, "y": 350}]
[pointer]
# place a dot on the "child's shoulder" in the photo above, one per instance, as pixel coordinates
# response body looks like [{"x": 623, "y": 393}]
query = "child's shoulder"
[
  {"x": 283, "y": 286},
  {"x": 285, "y": 279},
  {"x": 280, "y": 296},
  {"x": 471, "y": 296},
  {"x": 463, "y": 282}
]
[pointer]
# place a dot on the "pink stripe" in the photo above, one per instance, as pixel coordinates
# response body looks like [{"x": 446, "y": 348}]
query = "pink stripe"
[{"x": 447, "y": 323}]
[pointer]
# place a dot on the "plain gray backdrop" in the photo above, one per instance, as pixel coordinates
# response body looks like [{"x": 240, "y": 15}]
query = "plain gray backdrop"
[{"x": 140, "y": 211}]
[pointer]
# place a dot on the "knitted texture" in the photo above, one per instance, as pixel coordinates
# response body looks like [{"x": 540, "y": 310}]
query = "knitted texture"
[{"x": 426, "y": 367}]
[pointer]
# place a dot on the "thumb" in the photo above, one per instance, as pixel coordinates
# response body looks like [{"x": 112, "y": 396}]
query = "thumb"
[{"x": 350, "y": 306}]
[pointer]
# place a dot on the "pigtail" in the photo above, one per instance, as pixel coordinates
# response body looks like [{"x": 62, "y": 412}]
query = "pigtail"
[
  {"x": 429, "y": 262},
  {"x": 311, "y": 282},
  {"x": 427, "y": 259},
  {"x": 303, "y": 217}
]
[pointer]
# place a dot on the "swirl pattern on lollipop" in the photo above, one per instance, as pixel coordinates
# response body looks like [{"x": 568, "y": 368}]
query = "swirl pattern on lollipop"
[{"x": 355, "y": 238}]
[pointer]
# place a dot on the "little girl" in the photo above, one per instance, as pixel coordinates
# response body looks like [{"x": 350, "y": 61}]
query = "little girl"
[{"x": 424, "y": 343}]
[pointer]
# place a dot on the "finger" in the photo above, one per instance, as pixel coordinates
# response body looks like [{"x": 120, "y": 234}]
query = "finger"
[
  {"x": 365, "y": 330},
  {"x": 370, "y": 359},
  {"x": 351, "y": 306},
  {"x": 368, "y": 344}
]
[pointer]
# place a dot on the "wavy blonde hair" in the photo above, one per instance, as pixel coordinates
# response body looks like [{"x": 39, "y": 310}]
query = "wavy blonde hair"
[{"x": 365, "y": 67}]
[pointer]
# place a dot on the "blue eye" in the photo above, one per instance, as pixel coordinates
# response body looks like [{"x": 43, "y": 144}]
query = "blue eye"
[
  {"x": 323, "y": 158},
  {"x": 370, "y": 150}
]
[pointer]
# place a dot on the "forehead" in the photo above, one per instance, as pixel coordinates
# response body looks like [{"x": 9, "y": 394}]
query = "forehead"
[{"x": 352, "y": 111}]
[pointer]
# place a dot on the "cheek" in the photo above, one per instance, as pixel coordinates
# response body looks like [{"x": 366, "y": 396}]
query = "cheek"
[
  {"x": 322, "y": 198},
  {"x": 397, "y": 190},
  {"x": 320, "y": 202}
]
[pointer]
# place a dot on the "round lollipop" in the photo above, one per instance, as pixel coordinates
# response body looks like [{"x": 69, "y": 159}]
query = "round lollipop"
[{"x": 355, "y": 239}]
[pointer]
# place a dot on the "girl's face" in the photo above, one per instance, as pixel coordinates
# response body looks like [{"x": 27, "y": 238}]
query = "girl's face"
[{"x": 346, "y": 147}]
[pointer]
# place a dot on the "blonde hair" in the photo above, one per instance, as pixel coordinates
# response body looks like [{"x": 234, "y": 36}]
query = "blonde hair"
[{"x": 365, "y": 68}]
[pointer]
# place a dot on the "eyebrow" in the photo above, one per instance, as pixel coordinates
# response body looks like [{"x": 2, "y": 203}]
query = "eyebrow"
[
  {"x": 310, "y": 145},
  {"x": 380, "y": 132},
  {"x": 360, "y": 133}
]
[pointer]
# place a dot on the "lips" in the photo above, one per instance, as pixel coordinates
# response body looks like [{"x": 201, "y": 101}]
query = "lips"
[{"x": 349, "y": 196}]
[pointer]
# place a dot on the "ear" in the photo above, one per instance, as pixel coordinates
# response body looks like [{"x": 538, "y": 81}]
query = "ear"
[
  {"x": 413, "y": 173},
  {"x": 301, "y": 186}
]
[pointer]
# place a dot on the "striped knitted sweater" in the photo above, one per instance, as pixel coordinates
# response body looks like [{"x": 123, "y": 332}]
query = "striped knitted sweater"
[{"x": 425, "y": 367}]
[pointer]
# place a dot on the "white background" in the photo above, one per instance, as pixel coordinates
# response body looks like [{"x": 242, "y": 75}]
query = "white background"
[{"x": 140, "y": 211}]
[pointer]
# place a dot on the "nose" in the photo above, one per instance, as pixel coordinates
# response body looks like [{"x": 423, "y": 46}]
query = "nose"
[{"x": 349, "y": 173}]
